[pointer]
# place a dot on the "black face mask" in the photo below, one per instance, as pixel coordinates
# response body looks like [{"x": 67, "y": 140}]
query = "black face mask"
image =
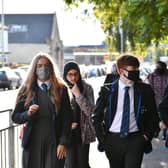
[{"x": 133, "y": 75}]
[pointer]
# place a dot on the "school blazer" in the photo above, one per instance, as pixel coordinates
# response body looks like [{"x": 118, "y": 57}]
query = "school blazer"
[
  {"x": 61, "y": 123},
  {"x": 145, "y": 111}
]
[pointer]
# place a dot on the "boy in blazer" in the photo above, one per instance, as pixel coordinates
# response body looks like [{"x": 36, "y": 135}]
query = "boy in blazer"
[{"x": 125, "y": 141}]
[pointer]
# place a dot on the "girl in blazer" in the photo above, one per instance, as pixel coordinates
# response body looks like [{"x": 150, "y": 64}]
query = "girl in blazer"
[{"x": 43, "y": 105}]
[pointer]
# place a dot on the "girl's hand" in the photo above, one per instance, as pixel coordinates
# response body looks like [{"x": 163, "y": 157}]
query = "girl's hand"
[
  {"x": 74, "y": 125},
  {"x": 33, "y": 109},
  {"x": 61, "y": 151}
]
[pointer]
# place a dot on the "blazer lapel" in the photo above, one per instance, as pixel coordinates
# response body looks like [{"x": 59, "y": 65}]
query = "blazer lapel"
[
  {"x": 137, "y": 101},
  {"x": 112, "y": 105},
  {"x": 115, "y": 99}
]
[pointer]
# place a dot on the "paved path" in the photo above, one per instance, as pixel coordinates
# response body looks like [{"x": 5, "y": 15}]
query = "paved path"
[{"x": 157, "y": 159}]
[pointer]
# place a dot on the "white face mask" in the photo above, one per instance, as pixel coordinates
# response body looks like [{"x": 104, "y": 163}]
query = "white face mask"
[{"x": 43, "y": 72}]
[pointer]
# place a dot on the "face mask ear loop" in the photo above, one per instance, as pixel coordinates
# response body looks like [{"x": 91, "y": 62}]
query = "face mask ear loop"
[
  {"x": 124, "y": 73},
  {"x": 125, "y": 76}
]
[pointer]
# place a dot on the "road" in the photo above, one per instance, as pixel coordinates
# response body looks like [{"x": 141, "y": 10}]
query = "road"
[{"x": 157, "y": 159}]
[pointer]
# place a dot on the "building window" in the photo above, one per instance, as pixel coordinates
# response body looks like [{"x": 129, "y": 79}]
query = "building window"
[{"x": 15, "y": 28}]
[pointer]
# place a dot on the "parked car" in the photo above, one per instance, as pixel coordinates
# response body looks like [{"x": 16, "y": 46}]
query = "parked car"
[
  {"x": 21, "y": 74},
  {"x": 8, "y": 79},
  {"x": 144, "y": 72}
]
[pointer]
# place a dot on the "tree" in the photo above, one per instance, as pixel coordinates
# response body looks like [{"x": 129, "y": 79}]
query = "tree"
[{"x": 144, "y": 21}]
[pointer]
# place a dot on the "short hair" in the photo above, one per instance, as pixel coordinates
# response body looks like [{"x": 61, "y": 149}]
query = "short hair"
[{"x": 127, "y": 60}]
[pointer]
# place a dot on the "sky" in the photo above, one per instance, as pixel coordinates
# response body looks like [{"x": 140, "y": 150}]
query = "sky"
[{"x": 73, "y": 30}]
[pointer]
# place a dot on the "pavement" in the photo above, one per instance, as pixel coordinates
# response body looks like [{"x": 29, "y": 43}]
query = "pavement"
[{"x": 158, "y": 158}]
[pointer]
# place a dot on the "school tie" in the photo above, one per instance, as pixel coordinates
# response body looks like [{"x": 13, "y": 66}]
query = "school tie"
[
  {"x": 44, "y": 87},
  {"x": 126, "y": 114}
]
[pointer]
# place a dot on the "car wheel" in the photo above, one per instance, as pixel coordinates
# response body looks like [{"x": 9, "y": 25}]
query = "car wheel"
[{"x": 10, "y": 87}]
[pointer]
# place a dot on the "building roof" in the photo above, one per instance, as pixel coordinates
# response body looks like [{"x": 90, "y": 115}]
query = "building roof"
[{"x": 28, "y": 6}]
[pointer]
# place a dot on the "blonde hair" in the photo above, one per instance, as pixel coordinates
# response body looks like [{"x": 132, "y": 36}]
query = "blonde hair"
[{"x": 26, "y": 91}]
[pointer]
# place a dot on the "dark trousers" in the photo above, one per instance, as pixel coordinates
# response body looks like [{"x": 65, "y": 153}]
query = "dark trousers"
[
  {"x": 77, "y": 156},
  {"x": 124, "y": 152}
]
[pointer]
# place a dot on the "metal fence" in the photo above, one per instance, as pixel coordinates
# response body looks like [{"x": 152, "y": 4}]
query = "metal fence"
[{"x": 10, "y": 144}]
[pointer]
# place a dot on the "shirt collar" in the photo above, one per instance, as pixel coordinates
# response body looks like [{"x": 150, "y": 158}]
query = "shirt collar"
[
  {"x": 123, "y": 85},
  {"x": 48, "y": 83}
]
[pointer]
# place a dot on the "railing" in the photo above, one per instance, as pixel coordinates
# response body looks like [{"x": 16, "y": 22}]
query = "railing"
[{"x": 10, "y": 145}]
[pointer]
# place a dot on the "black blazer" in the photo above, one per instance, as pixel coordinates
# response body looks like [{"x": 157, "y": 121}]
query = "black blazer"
[
  {"x": 61, "y": 122},
  {"x": 110, "y": 78},
  {"x": 144, "y": 105}
]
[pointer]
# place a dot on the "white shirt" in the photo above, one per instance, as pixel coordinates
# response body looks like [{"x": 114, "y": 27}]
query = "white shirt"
[
  {"x": 116, "y": 124},
  {"x": 48, "y": 83}
]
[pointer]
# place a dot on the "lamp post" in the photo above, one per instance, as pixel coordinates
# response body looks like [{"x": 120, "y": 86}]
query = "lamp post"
[
  {"x": 121, "y": 35},
  {"x": 2, "y": 32}
]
